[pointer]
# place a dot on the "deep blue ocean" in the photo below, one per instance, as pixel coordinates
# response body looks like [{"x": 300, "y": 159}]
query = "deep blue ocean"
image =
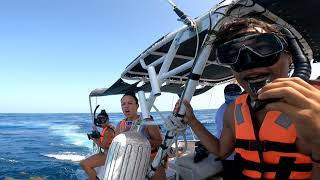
[{"x": 50, "y": 146}]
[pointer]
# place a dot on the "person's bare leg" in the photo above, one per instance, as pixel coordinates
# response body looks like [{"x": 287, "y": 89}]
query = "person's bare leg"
[
  {"x": 91, "y": 162},
  {"x": 160, "y": 174}
]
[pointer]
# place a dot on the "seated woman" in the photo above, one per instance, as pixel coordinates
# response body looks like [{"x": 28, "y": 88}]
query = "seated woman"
[
  {"x": 104, "y": 141},
  {"x": 129, "y": 105}
]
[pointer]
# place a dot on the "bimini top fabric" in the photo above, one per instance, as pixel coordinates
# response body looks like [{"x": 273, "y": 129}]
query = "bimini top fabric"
[
  {"x": 301, "y": 15},
  {"x": 121, "y": 87}
]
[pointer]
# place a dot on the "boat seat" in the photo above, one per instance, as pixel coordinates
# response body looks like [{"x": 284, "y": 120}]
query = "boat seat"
[{"x": 204, "y": 169}]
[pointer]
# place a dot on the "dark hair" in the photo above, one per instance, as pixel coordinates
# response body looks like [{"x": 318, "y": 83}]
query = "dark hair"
[
  {"x": 232, "y": 88},
  {"x": 103, "y": 113},
  {"x": 233, "y": 28},
  {"x": 132, "y": 94}
]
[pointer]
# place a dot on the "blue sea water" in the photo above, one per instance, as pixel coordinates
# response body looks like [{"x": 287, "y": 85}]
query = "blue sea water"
[{"x": 50, "y": 146}]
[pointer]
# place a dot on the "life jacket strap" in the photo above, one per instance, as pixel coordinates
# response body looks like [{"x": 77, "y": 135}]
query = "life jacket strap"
[
  {"x": 283, "y": 171},
  {"x": 251, "y": 165},
  {"x": 264, "y": 146}
]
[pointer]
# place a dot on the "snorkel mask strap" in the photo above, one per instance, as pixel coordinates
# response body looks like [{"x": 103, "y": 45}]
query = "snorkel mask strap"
[
  {"x": 95, "y": 120},
  {"x": 302, "y": 66}
]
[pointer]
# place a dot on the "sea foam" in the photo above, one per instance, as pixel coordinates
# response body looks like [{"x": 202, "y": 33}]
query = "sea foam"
[{"x": 66, "y": 156}]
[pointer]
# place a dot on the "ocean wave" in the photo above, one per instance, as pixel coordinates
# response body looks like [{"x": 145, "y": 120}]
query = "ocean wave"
[
  {"x": 30, "y": 178},
  {"x": 65, "y": 127},
  {"x": 58, "y": 144},
  {"x": 71, "y": 135},
  {"x": 208, "y": 121},
  {"x": 8, "y": 160},
  {"x": 66, "y": 156}
]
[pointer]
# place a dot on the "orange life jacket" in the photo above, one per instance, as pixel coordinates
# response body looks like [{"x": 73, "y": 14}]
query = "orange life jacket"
[
  {"x": 276, "y": 145},
  {"x": 104, "y": 131},
  {"x": 154, "y": 149}
]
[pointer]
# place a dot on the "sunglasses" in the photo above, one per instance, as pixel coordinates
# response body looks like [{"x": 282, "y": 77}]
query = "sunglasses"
[{"x": 262, "y": 48}]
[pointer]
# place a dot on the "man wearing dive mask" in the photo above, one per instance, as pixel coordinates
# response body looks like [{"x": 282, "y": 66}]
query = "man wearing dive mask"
[{"x": 280, "y": 139}]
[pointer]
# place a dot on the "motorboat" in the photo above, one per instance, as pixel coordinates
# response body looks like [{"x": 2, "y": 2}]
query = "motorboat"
[{"x": 181, "y": 62}]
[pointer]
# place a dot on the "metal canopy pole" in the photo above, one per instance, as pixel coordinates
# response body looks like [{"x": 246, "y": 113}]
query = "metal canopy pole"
[{"x": 176, "y": 121}]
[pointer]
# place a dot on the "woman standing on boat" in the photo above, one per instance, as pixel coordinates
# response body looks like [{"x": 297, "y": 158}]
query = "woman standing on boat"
[
  {"x": 104, "y": 141},
  {"x": 129, "y": 105}
]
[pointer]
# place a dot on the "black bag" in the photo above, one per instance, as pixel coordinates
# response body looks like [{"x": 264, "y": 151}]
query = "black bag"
[{"x": 200, "y": 152}]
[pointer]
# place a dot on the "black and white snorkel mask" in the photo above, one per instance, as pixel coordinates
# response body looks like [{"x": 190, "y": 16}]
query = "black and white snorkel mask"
[
  {"x": 101, "y": 118},
  {"x": 263, "y": 50},
  {"x": 250, "y": 50}
]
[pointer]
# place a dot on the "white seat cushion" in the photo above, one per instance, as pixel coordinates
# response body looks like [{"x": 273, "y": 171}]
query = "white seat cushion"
[{"x": 201, "y": 170}]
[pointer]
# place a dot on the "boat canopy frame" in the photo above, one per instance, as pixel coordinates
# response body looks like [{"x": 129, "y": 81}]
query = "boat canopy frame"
[{"x": 191, "y": 69}]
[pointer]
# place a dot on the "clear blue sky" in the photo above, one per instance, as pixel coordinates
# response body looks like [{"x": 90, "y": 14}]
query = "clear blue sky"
[{"x": 53, "y": 53}]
